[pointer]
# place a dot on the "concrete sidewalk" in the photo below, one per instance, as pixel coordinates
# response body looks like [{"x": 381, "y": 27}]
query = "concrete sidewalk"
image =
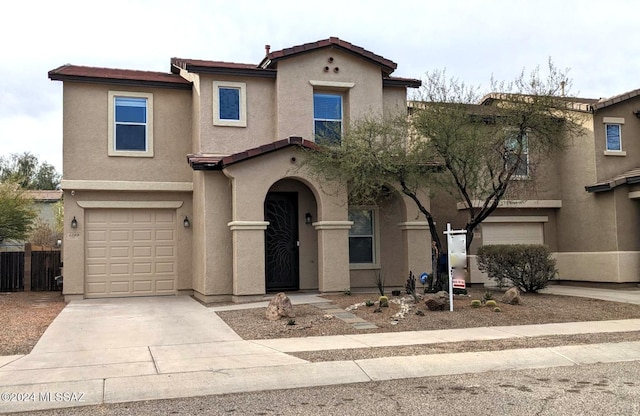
[{"x": 122, "y": 350}]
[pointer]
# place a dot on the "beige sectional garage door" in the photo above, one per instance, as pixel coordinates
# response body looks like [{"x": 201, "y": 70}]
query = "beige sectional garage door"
[
  {"x": 130, "y": 252},
  {"x": 512, "y": 233}
]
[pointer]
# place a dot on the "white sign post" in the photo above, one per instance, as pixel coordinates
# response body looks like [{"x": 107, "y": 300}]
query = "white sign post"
[{"x": 456, "y": 257}]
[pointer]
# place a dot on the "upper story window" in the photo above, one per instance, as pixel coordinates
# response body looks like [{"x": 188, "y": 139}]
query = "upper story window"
[
  {"x": 327, "y": 117},
  {"x": 614, "y": 137},
  {"x": 229, "y": 104},
  {"x": 515, "y": 147},
  {"x": 362, "y": 248},
  {"x": 130, "y": 127}
]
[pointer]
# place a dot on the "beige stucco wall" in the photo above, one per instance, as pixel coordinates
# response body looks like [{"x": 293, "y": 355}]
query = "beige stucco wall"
[
  {"x": 85, "y": 126},
  {"x": 394, "y": 101},
  {"x": 294, "y": 92},
  {"x": 260, "y": 129},
  {"x": 212, "y": 246},
  {"x": 74, "y": 239},
  {"x": 608, "y": 165}
]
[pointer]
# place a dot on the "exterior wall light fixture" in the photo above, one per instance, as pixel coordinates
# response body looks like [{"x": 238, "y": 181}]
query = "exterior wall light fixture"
[
  {"x": 186, "y": 222},
  {"x": 74, "y": 222},
  {"x": 307, "y": 218}
]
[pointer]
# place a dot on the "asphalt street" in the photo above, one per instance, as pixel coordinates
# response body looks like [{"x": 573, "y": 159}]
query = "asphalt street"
[{"x": 595, "y": 389}]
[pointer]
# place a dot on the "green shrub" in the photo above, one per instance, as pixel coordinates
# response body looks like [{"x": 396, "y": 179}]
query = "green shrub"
[
  {"x": 291, "y": 322},
  {"x": 476, "y": 303},
  {"x": 384, "y": 301},
  {"x": 347, "y": 292},
  {"x": 528, "y": 266},
  {"x": 369, "y": 303},
  {"x": 488, "y": 295},
  {"x": 491, "y": 303}
]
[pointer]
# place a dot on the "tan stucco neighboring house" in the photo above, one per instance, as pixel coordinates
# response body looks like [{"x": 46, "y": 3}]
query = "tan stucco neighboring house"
[
  {"x": 191, "y": 182},
  {"x": 584, "y": 203}
]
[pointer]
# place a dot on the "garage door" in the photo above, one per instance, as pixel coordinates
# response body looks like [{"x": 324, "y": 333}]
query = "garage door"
[
  {"x": 130, "y": 252},
  {"x": 512, "y": 233}
]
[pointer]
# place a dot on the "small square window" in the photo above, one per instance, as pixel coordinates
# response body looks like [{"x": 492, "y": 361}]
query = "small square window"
[
  {"x": 130, "y": 127},
  {"x": 229, "y": 104},
  {"x": 614, "y": 137},
  {"x": 327, "y": 118}
]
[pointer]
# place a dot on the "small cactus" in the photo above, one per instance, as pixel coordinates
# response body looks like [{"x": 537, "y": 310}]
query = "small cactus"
[
  {"x": 291, "y": 322},
  {"x": 347, "y": 292},
  {"x": 497, "y": 309},
  {"x": 369, "y": 303},
  {"x": 491, "y": 303},
  {"x": 384, "y": 301},
  {"x": 476, "y": 303}
]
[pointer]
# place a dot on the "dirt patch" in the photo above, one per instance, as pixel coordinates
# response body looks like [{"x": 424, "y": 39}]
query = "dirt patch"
[
  {"x": 24, "y": 316},
  {"x": 536, "y": 309}
]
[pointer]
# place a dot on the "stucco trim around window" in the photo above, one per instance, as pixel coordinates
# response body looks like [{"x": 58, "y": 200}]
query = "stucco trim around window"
[
  {"x": 239, "y": 120},
  {"x": 332, "y": 84},
  {"x": 517, "y": 218},
  {"x": 112, "y": 130}
]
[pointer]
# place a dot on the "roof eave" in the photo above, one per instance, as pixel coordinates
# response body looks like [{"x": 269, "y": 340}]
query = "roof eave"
[{"x": 120, "y": 81}]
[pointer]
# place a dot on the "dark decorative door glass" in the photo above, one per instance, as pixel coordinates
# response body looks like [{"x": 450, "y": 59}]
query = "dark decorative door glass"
[{"x": 281, "y": 241}]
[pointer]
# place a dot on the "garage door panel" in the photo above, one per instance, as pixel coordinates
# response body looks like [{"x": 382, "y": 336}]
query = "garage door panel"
[
  {"x": 96, "y": 235},
  {"x": 119, "y": 235},
  {"x": 142, "y": 235},
  {"x": 130, "y": 252},
  {"x": 165, "y": 235},
  {"x": 512, "y": 233},
  {"x": 143, "y": 286},
  {"x": 116, "y": 252},
  {"x": 142, "y": 251}
]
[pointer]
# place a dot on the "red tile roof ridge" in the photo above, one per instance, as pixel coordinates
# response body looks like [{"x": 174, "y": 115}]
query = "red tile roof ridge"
[{"x": 331, "y": 41}]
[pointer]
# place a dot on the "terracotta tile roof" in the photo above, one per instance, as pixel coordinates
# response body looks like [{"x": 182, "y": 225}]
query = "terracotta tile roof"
[
  {"x": 70, "y": 72},
  {"x": 53, "y": 195},
  {"x": 629, "y": 177},
  {"x": 272, "y": 57},
  {"x": 220, "y": 67},
  {"x": 210, "y": 162},
  {"x": 616, "y": 99}
]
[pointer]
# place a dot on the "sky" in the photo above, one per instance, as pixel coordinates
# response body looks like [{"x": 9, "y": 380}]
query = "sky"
[{"x": 473, "y": 40}]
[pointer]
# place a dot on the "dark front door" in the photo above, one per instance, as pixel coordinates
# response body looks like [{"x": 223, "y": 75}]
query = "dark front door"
[{"x": 281, "y": 241}]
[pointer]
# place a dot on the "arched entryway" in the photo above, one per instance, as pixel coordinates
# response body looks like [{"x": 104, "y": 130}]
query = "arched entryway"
[{"x": 291, "y": 247}]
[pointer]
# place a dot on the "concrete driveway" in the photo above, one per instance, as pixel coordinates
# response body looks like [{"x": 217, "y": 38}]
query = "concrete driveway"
[{"x": 100, "y": 324}]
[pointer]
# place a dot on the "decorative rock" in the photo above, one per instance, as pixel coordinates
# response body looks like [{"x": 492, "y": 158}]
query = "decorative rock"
[
  {"x": 419, "y": 313},
  {"x": 438, "y": 302},
  {"x": 280, "y": 306},
  {"x": 512, "y": 296},
  {"x": 377, "y": 310}
]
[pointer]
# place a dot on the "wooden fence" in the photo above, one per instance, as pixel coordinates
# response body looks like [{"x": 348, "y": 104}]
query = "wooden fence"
[{"x": 39, "y": 264}]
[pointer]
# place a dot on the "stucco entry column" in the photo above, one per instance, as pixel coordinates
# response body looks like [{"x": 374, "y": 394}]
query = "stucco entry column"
[
  {"x": 333, "y": 255},
  {"x": 416, "y": 239},
  {"x": 248, "y": 263}
]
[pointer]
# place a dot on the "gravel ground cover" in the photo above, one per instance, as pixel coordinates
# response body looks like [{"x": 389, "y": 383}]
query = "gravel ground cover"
[
  {"x": 24, "y": 316},
  {"x": 535, "y": 309}
]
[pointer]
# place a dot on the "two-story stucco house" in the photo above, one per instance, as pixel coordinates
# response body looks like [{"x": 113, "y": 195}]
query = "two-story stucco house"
[
  {"x": 584, "y": 203},
  {"x": 190, "y": 182}
]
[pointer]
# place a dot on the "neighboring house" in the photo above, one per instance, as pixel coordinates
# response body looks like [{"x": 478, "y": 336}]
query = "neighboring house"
[
  {"x": 190, "y": 182},
  {"x": 584, "y": 203},
  {"x": 44, "y": 202}
]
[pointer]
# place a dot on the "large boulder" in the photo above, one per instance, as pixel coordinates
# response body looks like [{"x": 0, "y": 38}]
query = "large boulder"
[
  {"x": 280, "y": 306},
  {"x": 512, "y": 296},
  {"x": 438, "y": 301}
]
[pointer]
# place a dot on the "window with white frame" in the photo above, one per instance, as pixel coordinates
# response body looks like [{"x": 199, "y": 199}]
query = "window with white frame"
[
  {"x": 229, "y": 104},
  {"x": 362, "y": 248},
  {"x": 517, "y": 153},
  {"x": 613, "y": 134},
  {"x": 327, "y": 118},
  {"x": 130, "y": 127}
]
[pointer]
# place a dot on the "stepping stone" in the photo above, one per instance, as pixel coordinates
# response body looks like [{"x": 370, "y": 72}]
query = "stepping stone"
[{"x": 364, "y": 325}]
